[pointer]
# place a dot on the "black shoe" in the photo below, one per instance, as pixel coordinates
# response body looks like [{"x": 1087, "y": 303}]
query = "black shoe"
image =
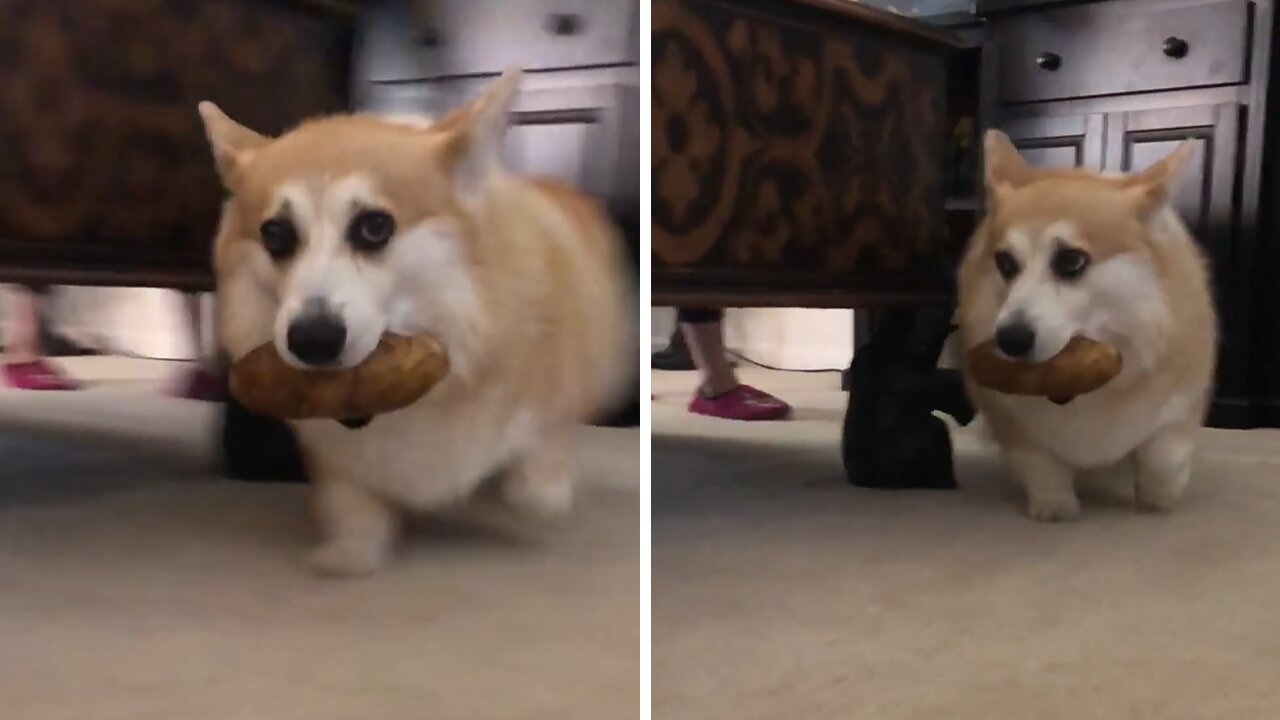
[
  {"x": 57, "y": 345},
  {"x": 668, "y": 359},
  {"x": 675, "y": 356}
]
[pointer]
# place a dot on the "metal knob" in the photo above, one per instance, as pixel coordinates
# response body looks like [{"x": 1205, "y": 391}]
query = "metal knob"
[
  {"x": 1049, "y": 61},
  {"x": 1175, "y": 47},
  {"x": 564, "y": 24}
]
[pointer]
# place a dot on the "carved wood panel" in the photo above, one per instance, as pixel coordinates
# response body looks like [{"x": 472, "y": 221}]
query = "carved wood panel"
[
  {"x": 105, "y": 175},
  {"x": 796, "y": 154}
]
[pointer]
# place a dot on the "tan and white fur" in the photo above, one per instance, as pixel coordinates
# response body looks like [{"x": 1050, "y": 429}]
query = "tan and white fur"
[
  {"x": 1143, "y": 288},
  {"x": 522, "y": 279}
]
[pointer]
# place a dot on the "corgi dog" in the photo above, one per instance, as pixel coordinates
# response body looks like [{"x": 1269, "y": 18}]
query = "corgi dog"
[
  {"x": 351, "y": 226},
  {"x": 1068, "y": 252}
]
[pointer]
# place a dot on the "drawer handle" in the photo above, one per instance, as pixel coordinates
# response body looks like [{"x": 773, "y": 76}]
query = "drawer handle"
[
  {"x": 564, "y": 24},
  {"x": 1175, "y": 47},
  {"x": 1049, "y": 61}
]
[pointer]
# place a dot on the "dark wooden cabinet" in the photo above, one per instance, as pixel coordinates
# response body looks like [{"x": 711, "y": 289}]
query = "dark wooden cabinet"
[
  {"x": 577, "y": 116},
  {"x": 1128, "y": 142},
  {"x": 105, "y": 173},
  {"x": 1060, "y": 141},
  {"x": 1114, "y": 85},
  {"x": 798, "y": 159},
  {"x": 578, "y": 113},
  {"x": 798, "y": 150},
  {"x": 1204, "y": 194},
  {"x": 1121, "y": 47},
  {"x": 419, "y": 40}
]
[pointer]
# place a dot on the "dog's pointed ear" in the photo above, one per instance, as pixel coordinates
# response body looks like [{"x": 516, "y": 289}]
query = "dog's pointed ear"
[
  {"x": 233, "y": 144},
  {"x": 1149, "y": 190},
  {"x": 473, "y": 136},
  {"x": 1006, "y": 170}
]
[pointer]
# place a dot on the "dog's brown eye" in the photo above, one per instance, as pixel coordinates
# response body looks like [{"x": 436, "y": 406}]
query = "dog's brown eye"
[
  {"x": 371, "y": 230},
  {"x": 279, "y": 238},
  {"x": 1007, "y": 264},
  {"x": 1069, "y": 263}
]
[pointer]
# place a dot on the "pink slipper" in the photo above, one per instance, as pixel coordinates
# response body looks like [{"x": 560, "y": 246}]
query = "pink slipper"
[
  {"x": 36, "y": 375},
  {"x": 741, "y": 403},
  {"x": 198, "y": 384}
]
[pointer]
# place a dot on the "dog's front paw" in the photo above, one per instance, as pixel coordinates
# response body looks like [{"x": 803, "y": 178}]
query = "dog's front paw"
[
  {"x": 347, "y": 559},
  {"x": 1054, "y": 508},
  {"x": 1164, "y": 469},
  {"x": 1161, "y": 496},
  {"x": 541, "y": 495}
]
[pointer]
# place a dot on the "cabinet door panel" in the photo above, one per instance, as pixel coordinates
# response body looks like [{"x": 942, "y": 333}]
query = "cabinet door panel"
[
  {"x": 1204, "y": 191},
  {"x": 582, "y": 129},
  {"x": 1204, "y": 194},
  {"x": 1059, "y": 141}
]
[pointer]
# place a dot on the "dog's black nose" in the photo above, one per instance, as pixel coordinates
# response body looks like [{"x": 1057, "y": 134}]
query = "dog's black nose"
[
  {"x": 1016, "y": 339},
  {"x": 317, "y": 339}
]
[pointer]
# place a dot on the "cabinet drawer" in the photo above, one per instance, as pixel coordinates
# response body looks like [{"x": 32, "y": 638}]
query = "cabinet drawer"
[
  {"x": 424, "y": 39},
  {"x": 587, "y": 134},
  {"x": 1118, "y": 48}
]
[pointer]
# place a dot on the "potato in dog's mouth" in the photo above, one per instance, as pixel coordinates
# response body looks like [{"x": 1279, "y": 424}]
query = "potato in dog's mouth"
[
  {"x": 399, "y": 372},
  {"x": 1083, "y": 366}
]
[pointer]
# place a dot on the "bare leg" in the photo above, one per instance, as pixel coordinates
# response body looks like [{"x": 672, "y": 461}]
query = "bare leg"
[
  {"x": 1164, "y": 467},
  {"x": 359, "y": 529},
  {"x": 706, "y": 345},
  {"x": 541, "y": 482},
  {"x": 195, "y": 325},
  {"x": 22, "y": 343},
  {"x": 721, "y": 394},
  {"x": 200, "y": 380},
  {"x": 25, "y": 367},
  {"x": 1050, "y": 484}
]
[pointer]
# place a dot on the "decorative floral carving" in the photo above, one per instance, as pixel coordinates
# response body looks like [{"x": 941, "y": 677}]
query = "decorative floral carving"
[
  {"x": 835, "y": 140},
  {"x": 684, "y": 138},
  {"x": 780, "y": 80},
  {"x": 783, "y": 212},
  {"x": 103, "y": 153}
]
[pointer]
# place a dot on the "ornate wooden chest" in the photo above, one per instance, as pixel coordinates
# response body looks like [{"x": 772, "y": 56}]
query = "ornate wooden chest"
[
  {"x": 798, "y": 154},
  {"x": 105, "y": 175}
]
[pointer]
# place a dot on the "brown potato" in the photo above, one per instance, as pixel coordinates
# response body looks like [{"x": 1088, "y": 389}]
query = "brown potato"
[
  {"x": 1083, "y": 366},
  {"x": 398, "y": 372}
]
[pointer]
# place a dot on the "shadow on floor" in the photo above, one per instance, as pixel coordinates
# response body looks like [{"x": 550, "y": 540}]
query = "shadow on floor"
[
  {"x": 43, "y": 467},
  {"x": 708, "y": 476}
]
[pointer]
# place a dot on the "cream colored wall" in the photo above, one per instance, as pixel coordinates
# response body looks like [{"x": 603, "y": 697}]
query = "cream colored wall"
[
  {"x": 140, "y": 321},
  {"x": 799, "y": 338}
]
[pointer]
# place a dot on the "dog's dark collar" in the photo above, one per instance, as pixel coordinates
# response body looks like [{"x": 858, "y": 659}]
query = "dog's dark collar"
[{"x": 356, "y": 423}]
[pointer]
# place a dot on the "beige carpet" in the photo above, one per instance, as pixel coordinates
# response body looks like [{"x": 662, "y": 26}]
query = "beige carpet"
[
  {"x": 781, "y": 592},
  {"x": 138, "y": 586}
]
